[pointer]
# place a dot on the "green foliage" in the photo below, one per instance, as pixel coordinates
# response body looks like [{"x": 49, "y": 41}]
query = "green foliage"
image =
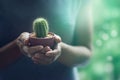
[
  {"x": 40, "y": 27},
  {"x": 105, "y": 62}
]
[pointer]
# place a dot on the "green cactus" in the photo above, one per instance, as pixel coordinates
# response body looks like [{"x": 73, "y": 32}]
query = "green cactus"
[{"x": 40, "y": 27}]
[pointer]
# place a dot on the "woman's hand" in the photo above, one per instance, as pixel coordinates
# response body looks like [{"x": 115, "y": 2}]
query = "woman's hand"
[
  {"x": 46, "y": 55},
  {"x": 39, "y": 54}
]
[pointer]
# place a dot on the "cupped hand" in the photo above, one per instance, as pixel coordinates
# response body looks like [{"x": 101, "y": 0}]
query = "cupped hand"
[
  {"x": 46, "y": 55},
  {"x": 38, "y": 53}
]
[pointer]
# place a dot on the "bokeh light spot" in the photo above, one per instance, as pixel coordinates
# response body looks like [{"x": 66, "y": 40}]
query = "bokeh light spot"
[{"x": 114, "y": 33}]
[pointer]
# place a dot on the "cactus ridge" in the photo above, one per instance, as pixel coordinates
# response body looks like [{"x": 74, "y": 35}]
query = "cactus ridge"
[{"x": 40, "y": 27}]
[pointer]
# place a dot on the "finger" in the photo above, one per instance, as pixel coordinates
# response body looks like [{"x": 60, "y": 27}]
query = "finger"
[
  {"x": 51, "y": 53},
  {"x": 41, "y": 58},
  {"x": 19, "y": 43},
  {"x": 21, "y": 47},
  {"x": 35, "y": 49},
  {"x": 54, "y": 52},
  {"x": 36, "y": 57},
  {"x": 25, "y": 50},
  {"x": 46, "y": 49},
  {"x": 31, "y": 50},
  {"x": 24, "y": 37},
  {"x": 57, "y": 38}
]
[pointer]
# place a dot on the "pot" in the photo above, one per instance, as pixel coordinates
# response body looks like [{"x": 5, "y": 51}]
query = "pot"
[{"x": 47, "y": 41}]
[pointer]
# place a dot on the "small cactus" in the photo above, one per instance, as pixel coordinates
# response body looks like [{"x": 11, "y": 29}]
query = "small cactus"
[{"x": 40, "y": 27}]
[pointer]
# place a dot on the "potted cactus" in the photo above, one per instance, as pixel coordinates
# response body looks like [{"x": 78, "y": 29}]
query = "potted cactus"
[{"x": 41, "y": 34}]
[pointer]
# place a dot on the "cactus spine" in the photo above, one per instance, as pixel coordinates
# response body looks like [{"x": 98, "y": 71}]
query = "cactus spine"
[{"x": 40, "y": 27}]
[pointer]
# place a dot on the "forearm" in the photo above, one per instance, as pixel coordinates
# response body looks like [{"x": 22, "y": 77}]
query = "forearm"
[
  {"x": 9, "y": 53},
  {"x": 74, "y": 55}
]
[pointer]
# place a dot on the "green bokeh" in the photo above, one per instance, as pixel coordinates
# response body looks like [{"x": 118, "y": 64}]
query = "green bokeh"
[{"x": 105, "y": 62}]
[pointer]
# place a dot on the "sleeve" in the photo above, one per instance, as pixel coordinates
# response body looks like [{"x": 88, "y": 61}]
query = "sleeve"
[
  {"x": 9, "y": 54},
  {"x": 83, "y": 25}
]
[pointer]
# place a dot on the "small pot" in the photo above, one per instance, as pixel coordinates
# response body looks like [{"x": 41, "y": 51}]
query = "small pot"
[{"x": 47, "y": 41}]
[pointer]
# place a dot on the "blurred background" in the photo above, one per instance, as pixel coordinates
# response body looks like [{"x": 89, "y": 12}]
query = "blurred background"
[{"x": 105, "y": 62}]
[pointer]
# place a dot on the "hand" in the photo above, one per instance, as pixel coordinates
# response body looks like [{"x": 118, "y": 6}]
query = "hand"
[
  {"x": 47, "y": 55},
  {"x": 22, "y": 40},
  {"x": 39, "y": 54}
]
